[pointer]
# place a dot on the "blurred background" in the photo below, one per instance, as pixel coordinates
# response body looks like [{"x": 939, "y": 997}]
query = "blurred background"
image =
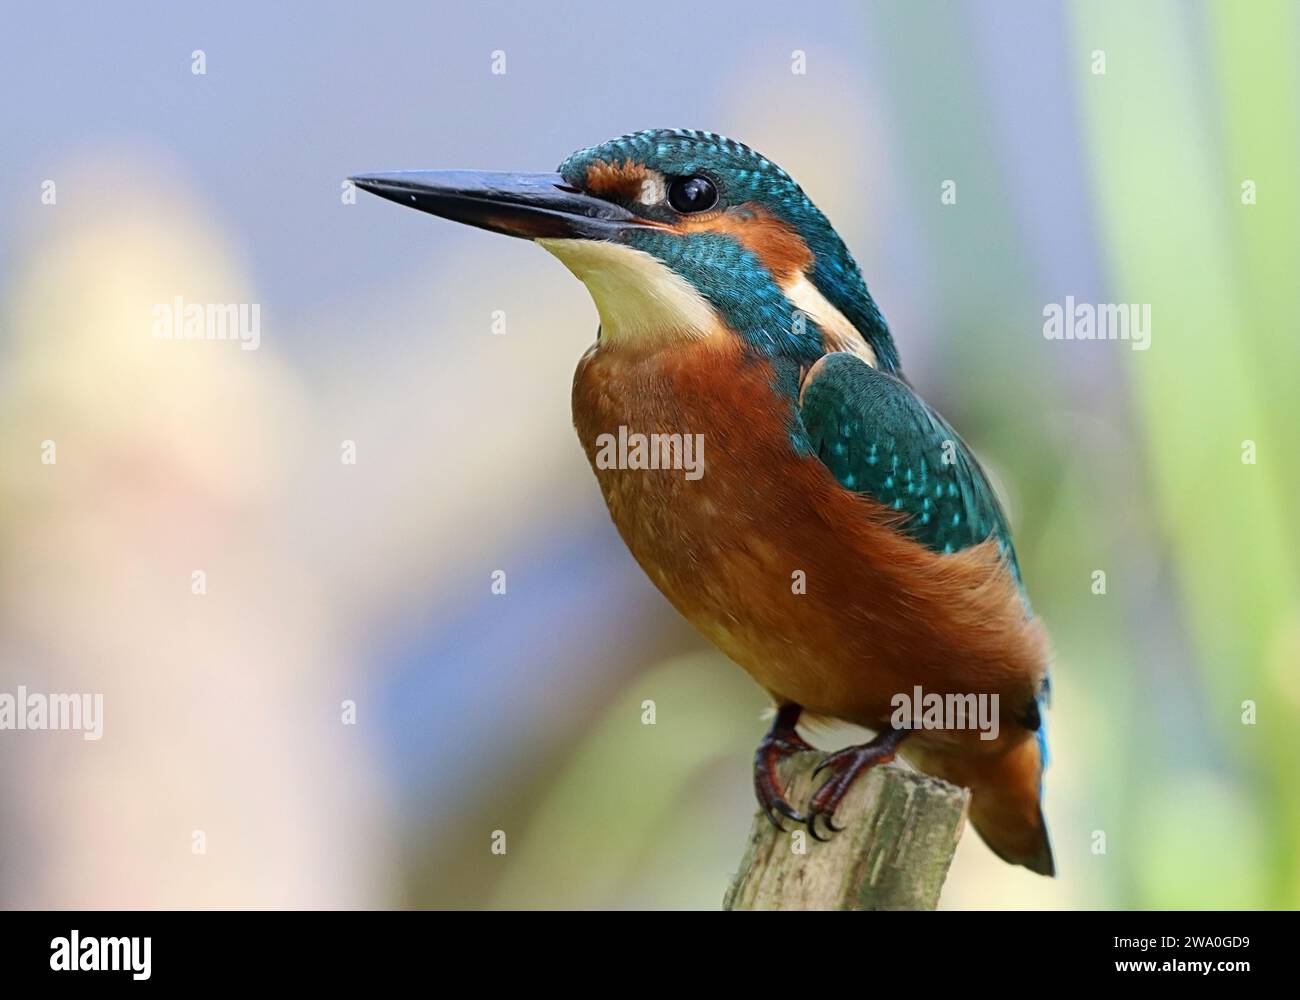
[{"x": 347, "y": 713}]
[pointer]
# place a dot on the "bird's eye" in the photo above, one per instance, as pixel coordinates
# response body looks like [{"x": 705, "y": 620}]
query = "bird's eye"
[{"x": 692, "y": 194}]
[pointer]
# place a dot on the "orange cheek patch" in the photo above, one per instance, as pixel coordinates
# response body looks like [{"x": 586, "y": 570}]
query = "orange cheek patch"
[{"x": 782, "y": 250}]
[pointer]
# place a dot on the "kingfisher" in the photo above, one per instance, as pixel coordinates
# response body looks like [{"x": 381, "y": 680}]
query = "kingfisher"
[{"x": 840, "y": 541}]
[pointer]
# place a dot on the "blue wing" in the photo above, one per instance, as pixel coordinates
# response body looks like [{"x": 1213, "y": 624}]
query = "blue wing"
[{"x": 880, "y": 439}]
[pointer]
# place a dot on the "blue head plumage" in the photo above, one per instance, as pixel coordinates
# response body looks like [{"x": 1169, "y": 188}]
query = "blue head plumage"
[{"x": 705, "y": 239}]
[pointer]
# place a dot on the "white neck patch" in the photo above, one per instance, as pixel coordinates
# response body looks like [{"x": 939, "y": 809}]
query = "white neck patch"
[
  {"x": 837, "y": 332},
  {"x": 639, "y": 298}
]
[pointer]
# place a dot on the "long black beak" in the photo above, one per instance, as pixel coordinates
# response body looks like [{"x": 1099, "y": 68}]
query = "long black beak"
[{"x": 533, "y": 206}]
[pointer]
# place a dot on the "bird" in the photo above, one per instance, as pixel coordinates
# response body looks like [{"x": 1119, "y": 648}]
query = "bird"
[{"x": 840, "y": 541}]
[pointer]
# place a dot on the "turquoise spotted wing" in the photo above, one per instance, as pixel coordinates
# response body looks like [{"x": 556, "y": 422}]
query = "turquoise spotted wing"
[{"x": 880, "y": 439}]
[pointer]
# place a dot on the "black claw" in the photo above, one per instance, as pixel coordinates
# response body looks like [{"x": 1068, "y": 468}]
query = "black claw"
[
  {"x": 771, "y": 818},
  {"x": 789, "y": 811},
  {"x": 773, "y": 803}
]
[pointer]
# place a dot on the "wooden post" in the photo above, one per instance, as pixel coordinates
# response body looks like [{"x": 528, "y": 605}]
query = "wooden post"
[{"x": 900, "y": 830}]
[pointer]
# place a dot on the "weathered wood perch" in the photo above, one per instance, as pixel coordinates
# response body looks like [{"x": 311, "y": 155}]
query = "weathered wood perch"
[{"x": 900, "y": 830}]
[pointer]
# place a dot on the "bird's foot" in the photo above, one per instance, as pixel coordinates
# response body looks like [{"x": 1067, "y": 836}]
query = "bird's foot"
[
  {"x": 781, "y": 741},
  {"x": 845, "y": 767}
]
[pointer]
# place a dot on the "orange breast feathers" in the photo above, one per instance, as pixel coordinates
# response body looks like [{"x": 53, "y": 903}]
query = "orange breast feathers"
[{"x": 809, "y": 587}]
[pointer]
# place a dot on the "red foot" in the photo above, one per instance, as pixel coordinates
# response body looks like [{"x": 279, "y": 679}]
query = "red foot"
[
  {"x": 845, "y": 766},
  {"x": 781, "y": 741}
]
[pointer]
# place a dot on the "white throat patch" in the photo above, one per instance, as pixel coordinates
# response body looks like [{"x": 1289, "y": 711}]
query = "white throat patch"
[{"x": 638, "y": 297}]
